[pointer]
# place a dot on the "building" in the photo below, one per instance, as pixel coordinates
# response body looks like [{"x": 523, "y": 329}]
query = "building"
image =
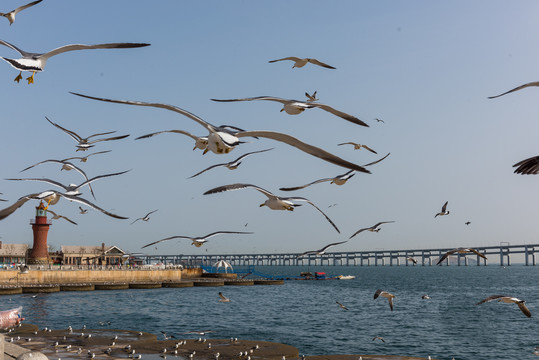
[
  {"x": 13, "y": 254},
  {"x": 92, "y": 255}
]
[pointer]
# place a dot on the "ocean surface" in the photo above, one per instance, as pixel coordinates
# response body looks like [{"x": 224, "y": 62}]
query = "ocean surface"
[{"x": 304, "y": 314}]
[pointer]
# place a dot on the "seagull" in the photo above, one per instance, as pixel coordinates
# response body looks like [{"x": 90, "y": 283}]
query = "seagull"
[
  {"x": 311, "y": 98},
  {"x": 83, "y": 211},
  {"x": 203, "y": 332},
  {"x": 508, "y": 300},
  {"x": 320, "y": 251},
  {"x": 413, "y": 260},
  {"x": 233, "y": 165},
  {"x": 65, "y": 166},
  {"x": 56, "y": 216},
  {"x": 342, "y": 306},
  {"x": 467, "y": 223},
  {"x": 294, "y": 107},
  {"x": 197, "y": 241},
  {"x": 337, "y": 180},
  {"x": 200, "y": 142},
  {"x": 84, "y": 143},
  {"x": 11, "y": 15},
  {"x": 379, "y": 120},
  {"x": 274, "y": 202},
  {"x": 358, "y": 146},
  {"x": 378, "y": 338},
  {"x": 145, "y": 218},
  {"x": 387, "y": 295},
  {"x": 302, "y": 62},
  {"x": 85, "y": 158},
  {"x": 535, "y": 83},
  {"x": 35, "y": 62},
  {"x": 223, "y": 298},
  {"x": 443, "y": 212},
  {"x": 374, "y": 228},
  {"x": 222, "y": 140},
  {"x": 527, "y": 167},
  {"x": 460, "y": 251},
  {"x": 425, "y": 297},
  {"x": 166, "y": 337},
  {"x": 71, "y": 189}
]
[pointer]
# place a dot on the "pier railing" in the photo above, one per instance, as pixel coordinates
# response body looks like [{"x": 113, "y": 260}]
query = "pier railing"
[{"x": 423, "y": 257}]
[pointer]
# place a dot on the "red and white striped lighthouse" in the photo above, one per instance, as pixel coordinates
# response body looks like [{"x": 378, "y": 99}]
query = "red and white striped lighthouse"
[{"x": 40, "y": 251}]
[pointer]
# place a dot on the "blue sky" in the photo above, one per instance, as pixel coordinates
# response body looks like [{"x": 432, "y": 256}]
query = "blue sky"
[{"x": 424, "y": 67}]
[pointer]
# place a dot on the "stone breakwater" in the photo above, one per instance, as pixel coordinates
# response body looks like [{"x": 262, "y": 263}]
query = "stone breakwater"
[{"x": 124, "y": 344}]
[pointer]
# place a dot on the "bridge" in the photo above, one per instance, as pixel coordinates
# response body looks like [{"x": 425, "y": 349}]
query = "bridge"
[{"x": 423, "y": 257}]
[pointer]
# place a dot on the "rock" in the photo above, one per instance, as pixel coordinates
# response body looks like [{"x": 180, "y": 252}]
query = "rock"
[{"x": 32, "y": 355}]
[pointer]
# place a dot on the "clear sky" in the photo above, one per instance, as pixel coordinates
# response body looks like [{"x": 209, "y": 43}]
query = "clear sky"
[{"x": 424, "y": 67}]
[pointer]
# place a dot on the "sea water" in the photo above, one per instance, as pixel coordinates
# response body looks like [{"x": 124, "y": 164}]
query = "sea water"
[{"x": 304, "y": 314}]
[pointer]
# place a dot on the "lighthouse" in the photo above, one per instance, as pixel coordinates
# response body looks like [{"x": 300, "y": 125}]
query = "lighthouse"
[{"x": 40, "y": 251}]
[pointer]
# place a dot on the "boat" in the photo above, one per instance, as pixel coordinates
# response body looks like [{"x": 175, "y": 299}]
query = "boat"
[{"x": 346, "y": 277}]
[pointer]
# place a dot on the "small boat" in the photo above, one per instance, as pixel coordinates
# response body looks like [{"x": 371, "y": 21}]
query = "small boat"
[{"x": 346, "y": 277}]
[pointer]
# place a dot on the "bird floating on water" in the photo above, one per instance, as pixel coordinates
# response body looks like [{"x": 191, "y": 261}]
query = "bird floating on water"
[
  {"x": 385, "y": 294},
  {"x": 35, "y": 62},
  {"x": 197, "y": 241},
  {"x": 425, "y": 297},
  {"x": 295, "y": 107},
  {"x": 444, "y": 210},
  {"x": 508, "y": 300},
  {"x": 84, "y": 144},
  {"x": 321, "y": 251},
  {"x": 223, "y": 298},
  {"x": 11, "y": 15},
  {"x": 299, "y": 62},
  {"x": 274, "y": 202},
  {"x": 232, "y": 165},
  {"x": 528, "y": 166},
  {"x": 460, "y": 251},
  {"x": 223, "y": 139},
  {"x": 358, "y": 146},
  {"x": 535, "y": 83},
  {"x": 374, "y": 228},
  {"x": 145, "y": 217}
]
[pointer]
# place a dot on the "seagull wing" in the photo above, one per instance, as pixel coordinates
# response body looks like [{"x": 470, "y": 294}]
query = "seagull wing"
[
  {"x": 477, "y": 253},
  {"x": 306, "y": 253},
  {"x": 165, "y": 131},
  {"x": 20, "y": 8},
  {"x": 347, "y": 143},
  {"x": 224, "y": 298},
  {"x": 528, "y": 167},
  {"x": 237, "y": 187},
  {"x": 136, "y": 221},
  {"x": 309, "y": 149},
  {"x": 524, "y": 309},
  {"x": 368, "y": 148},
  {"x": 390, "y": 300},
  {"x": 445, "y": 206},
  {"x": 340, "y": 114},
  {"x": 169, "y": 238},
  {"x": 490, "y": 298},
  {"x": 206, "y": 169},
  {"x": 61, "y": 216},
  {"x": 377, "y": 161},
  {"x": 87, "y": 203},
  {"x": 293, "y": 58},
  {"x": 186, "y": 113},
  {"x": 22, "y": 52},
  {"x": 270, "y": 98},
  {"x": 73, "y": 47},
  {"x": 317, "y": 208},
  {"x": 4, "y": 213},
  {"x": 535, "y": 83},
  {"x": 151, "y": 212},
  {"x": 107, "y": 139},
  {"x": 377, "y": 293},
  {"x": 319, "y": 63},
  {"x": 304, "y": 186},
  {"x": 52, "y": 182},
  {"x": 100, "y": 177},
  {"x": 73, "y": 134},
  {"x": 332, "y": 244},
  {"x": 357, "y": 232},
  {"x": 250, "y": 153},
  {"x": 444, "y": 256}
]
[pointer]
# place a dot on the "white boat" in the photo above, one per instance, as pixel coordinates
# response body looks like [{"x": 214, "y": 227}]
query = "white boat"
[{"x": 346, "y": 277}]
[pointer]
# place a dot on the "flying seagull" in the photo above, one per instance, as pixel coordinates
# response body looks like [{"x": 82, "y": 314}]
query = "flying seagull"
[
  {"x": 535, "y": 83},
  {"x": 387, "y": 295},
  {"x": 71, "y": 189},
  {"x": 467, "y": 223},
  {"x": 197, "y": 241},
  {"x": 508, "y": 300},
  {"x": 200, "y": 142},
  {"x": 221, "y": 140},
  {"x": 85, "y": 143},
  {"x": 413, "y": 260},
  {"x": 223, "y": 298},
  {"x": 320, "y": 251},
  {"x": 57, "y": 216},
  {"x": 374, "y": 228},
  {"x": 358, "y": 146},
  {"x": 379, "y": 120},
  {"x": 233, "y": 165},
  {"x": 341, "y": 306},
  {"x": 35, "y": 62},
  {"x": 444, "y": 211},
  {"x": 378, "y": 338},
  {"x": 83, "y": 211},
  {"x": 85, "y": 158},
  {"x": 294, "y": 107},
  {"x": 11, "y": 15},
  {"x": 528, "y": 167},
  {"x": 145, "y": 218},
  {"x": 337, "y": 180},
  {"x": 274, "y": 202},
  {"x": 302, "y": 62},
  {"x": 460, "y": 251},
  {"x": 311, "y": 98}
]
